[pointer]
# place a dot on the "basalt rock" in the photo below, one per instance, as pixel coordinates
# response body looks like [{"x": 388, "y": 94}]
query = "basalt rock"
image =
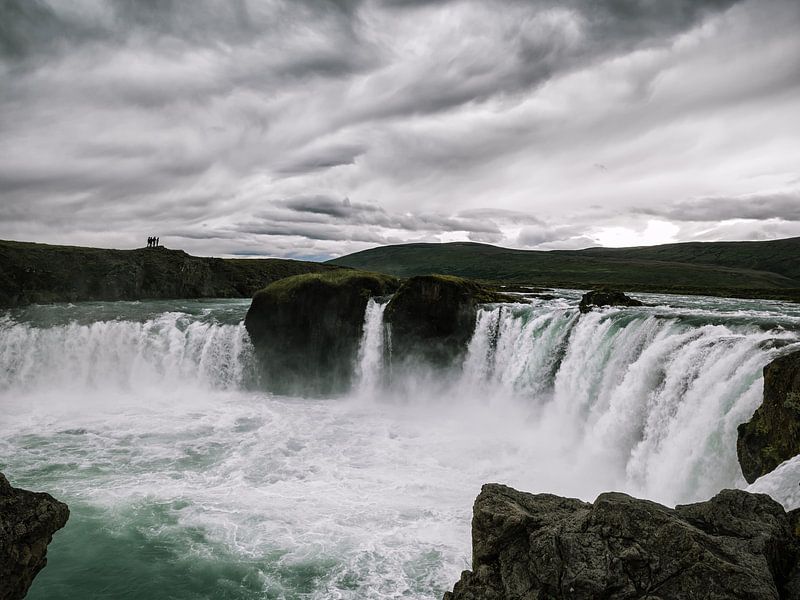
[
  {"x": 534, "y": 547},
  {"x": 773, "y": 434},
  {"x": 28, "y": 521},
  {"x": 432, "y": 318},
  {"x": 306, "y": 329},
  {"x": 605, "y": 297}
]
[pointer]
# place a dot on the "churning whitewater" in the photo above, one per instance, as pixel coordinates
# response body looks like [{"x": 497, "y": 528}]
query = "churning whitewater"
[{"x": 186, "y": 480}]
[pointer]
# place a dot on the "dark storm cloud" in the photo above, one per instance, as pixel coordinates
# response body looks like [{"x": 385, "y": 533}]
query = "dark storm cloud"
[
  {"x": 785, "y": 207},
  {"x": 333, "y": 218},
  {"x": 320, "y": 159}
]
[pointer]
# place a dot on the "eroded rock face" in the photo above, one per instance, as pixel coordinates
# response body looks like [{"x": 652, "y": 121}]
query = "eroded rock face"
[
  {"x": 432, "y": 318},
  {"x": 773, "y": 434},
  {"x": 526, "y": 547},
  {"x": 28, "y": 521},
  {"x": 605, "y": 297},
  {"x": 307, "y": 329}
]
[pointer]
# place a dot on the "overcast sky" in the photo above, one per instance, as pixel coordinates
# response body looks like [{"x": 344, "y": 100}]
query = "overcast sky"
[{"x": 313, "y": 128}]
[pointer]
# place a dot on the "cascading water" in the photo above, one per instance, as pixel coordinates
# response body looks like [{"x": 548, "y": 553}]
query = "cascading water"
[
  {"x": 169, "y": 350},
  {"x": 186, "y": 481},
  {"x": 370, "y": 365}
]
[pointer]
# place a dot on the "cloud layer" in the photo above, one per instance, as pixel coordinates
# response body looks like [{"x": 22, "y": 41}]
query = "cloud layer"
[{"x": 312, "y": 128}]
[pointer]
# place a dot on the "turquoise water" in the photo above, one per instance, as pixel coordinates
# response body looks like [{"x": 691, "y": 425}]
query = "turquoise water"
[{"x": 187, "y": 481}]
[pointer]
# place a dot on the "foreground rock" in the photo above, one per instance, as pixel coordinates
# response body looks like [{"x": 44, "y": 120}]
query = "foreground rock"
[
  {"x": 28, "y": 521},
  {"x": 605, "y": 297},
  {"x": 526, "y": 547},
  {"x": 307, "y": 329},
  {"x": 773, "y": 434},
  {"x": 432, "y": 317}
]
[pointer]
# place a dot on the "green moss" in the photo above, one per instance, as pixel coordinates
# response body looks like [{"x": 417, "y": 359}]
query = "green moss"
[{"x": 289, "y": 287}]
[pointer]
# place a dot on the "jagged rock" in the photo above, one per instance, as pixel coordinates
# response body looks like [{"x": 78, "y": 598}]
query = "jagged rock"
[
  {"x": 533, "y": 547},
  {"x": 773, "y": 434},
  {"x": 605, "y": 297},
  {"x": 307, "y": 329},
  {"x": 432, "y": 317},
  {"x": 28, "y": 521}
]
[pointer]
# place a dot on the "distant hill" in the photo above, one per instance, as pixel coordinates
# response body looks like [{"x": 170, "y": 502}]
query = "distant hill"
[
  {"x": 740, "y": 269},
  {"x": 43, "y": 273}
]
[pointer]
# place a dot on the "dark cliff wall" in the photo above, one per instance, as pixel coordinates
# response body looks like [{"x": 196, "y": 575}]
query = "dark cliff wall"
[
  {"x": 28, "y": 521},
  {"x": 41, "y": 273}
]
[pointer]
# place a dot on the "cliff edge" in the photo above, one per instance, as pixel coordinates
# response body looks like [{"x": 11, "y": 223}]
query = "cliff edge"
[{"x": 40, "y": 273}]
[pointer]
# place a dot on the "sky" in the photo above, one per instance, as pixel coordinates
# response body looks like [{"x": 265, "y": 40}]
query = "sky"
[{"x": 316, "y": 128}]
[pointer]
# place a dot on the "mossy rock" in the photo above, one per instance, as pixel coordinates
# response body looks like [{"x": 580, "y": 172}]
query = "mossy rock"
[
  {"x": 773, "y": 434},
  {"x": 605, "y": 297},
  {"x": 306, "y": 329},
  {"x": 432, "y": 318}
]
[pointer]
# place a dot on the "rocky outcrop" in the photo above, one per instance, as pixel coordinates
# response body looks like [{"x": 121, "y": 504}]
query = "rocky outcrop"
[
  {"x": 306, "y": 329},
  {"x": 40, "y": 273},
  {"x": 605, "y": 297},
  {"x": 28, "y": 521},
  {"x": 432, "y": 318},
  {"x": 533, "y": 547},
  {"x": 773, "y": 434}
]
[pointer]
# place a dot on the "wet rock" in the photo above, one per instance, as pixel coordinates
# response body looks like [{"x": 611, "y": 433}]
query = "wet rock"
[
  {"x": 532, "y": 547},
  {"x": 307, "y": 329},
  {"x": 773, "y": 434},
  {"x": 605, "y": 297},
  {"x": 28, "y": 521},
  {"x": 432, "y": 318}
]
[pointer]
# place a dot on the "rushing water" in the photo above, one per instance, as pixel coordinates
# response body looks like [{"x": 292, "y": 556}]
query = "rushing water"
[{"x": 185, "y": 480}]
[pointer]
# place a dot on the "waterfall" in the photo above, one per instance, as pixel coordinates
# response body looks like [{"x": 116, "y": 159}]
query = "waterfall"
[
  {"x": 657, "y": 398},
  {"x": 172, "y": 349},
  {"x": 653, "y": 394},
  {"x": 370, "y": 364}
]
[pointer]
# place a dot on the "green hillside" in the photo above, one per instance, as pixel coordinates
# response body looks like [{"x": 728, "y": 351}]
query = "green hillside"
[
  {"x": 43, "y": 273},
  {"x": 739, "y": 269}
]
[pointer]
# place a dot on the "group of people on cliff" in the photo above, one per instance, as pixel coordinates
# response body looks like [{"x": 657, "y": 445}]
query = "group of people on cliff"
[{"x": 152, "y": 242}]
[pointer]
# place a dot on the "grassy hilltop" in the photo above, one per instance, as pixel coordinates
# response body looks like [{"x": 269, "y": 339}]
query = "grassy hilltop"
[
  {"x": 738, "y": 269},
  {"x": 43, "y": 273}
]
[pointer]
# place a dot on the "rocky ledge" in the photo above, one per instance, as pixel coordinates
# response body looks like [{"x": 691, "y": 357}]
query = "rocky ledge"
[
  {"x": 605, "y": 297},
  {"x": 28, "y": 521},
  {"x": 533, "y": 547},
  {"x": 773, "y": 434}
]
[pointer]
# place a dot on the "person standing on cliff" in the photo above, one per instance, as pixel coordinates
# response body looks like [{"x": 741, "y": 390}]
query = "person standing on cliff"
[
  {"x": 157, "y": 242},
  {"x": 149, "y": 242}
]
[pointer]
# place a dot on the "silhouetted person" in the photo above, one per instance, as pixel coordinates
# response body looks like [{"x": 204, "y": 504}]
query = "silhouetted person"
[
  {"x": 157, "y": 241},
  {"x": 149, "y": 242}
]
